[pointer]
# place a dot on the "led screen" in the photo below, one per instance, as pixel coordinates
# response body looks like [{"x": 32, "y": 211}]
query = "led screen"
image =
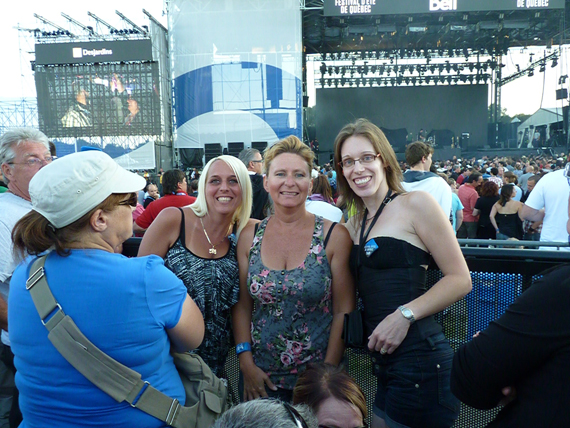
[{"x": 102, "y": 99}]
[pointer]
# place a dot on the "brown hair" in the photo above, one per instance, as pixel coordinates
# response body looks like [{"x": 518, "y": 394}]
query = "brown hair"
[
  {"x": 34, "y": 234},
  {"x": 506, "y": 193},
  {"x": 416, "y": 151},
  {"x": 291, "y": 144},
  {"x": 489, "y": 188},
  {"x": 321, "y": 186},
  {"x": 322, "y": 381},
  {"x": 372, "y": 133}
]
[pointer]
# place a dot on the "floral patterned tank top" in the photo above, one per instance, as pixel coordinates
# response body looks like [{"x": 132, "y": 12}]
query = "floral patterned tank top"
[{"x": 292, "y": 315}]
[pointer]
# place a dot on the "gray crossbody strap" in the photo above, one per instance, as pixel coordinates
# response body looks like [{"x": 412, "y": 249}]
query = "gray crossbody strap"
[{"x": 112, "y": 377}]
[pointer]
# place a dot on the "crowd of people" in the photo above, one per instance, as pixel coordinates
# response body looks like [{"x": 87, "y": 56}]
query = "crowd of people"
[{"x": 269, "y": 252}]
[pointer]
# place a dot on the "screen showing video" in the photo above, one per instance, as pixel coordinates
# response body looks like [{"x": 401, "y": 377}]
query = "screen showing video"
[{"x": 101, "y": 99}]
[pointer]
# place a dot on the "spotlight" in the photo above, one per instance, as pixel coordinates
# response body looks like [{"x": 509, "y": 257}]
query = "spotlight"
[
  {"x": 554, "y": 62},
  {"x": 323, "y": 68},
  {"x": 542, "y": 67},
  {"x": 531, "y": 73}
]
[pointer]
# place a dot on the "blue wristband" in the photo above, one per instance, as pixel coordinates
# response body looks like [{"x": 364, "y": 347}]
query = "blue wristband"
[{"x": 243, "y": 347}]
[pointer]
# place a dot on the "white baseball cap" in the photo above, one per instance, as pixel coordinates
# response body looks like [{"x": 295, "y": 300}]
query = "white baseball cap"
[{"x": 67, "y": 189}]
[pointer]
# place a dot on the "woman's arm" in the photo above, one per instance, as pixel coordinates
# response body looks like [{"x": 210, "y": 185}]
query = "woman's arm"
[
  {"x": 433, "y": 229},
  {"x": 254, "y": 378},
  {"x": 189, "y": 331},
  {"x": 343, "y": 293},
  {"x": 476, "y": 212},
  {"x": 161, "y": 234},
  {"x": 459, "y": 219},
  {"x": 492, "y": 216}
]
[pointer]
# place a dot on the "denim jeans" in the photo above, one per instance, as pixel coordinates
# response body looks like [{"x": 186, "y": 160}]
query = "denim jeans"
[{"x": 413, "y": 385}]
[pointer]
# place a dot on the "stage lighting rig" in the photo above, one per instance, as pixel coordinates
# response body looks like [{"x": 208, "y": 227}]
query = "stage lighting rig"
[
  {"x": 60, "y": 31},
  {"x": 137, "y": 29}
]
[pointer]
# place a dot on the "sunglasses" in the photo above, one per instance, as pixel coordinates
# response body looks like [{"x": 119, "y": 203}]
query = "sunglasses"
[
  {"x": 132, "y": 200},
  {"x": 295, "y": 415}
]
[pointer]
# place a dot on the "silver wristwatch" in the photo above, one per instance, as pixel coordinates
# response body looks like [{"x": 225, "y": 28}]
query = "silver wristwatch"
[{"x": 408, "y": 314}]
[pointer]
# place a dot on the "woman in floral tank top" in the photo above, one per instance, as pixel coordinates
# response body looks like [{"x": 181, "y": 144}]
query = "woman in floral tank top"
[{"x": 294, "y": 267}]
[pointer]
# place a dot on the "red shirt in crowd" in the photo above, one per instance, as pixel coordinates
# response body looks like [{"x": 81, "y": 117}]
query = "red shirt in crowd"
[
  {"x": 468, "y": 197},
  {"x": 181, "y": 199}
]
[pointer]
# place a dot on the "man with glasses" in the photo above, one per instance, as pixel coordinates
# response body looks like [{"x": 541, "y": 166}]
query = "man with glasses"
[
  {"x": 23, "y": 152},
  {"x": 253, "y": 161},
  {"x": 550, "y": 193}
]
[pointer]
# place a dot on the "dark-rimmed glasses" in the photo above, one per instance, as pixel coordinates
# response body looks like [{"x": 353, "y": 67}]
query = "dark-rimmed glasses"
[
  {"x": 364, "y": 160},
  {"x": 361, "y": 426},
  {"x": 132, "y": 200}
]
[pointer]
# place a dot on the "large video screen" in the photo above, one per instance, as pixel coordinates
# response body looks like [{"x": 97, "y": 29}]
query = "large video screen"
[
  {"x": 395, "y": 7},
  {"x": 103, "y": 99}
]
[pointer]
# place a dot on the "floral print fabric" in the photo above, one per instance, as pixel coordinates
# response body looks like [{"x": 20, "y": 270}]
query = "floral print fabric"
[{"x": 292, "y": 316}]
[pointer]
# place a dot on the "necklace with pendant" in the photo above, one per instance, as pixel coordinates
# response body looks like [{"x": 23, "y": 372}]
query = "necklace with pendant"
[{"x": 213, "y": 249}]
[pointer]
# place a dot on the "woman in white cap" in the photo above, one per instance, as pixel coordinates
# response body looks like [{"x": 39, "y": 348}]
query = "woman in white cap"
[{"x": 134, "y": 310}]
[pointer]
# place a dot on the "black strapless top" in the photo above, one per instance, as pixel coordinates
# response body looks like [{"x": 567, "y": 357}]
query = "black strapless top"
[{"x": 390, "y": 276}]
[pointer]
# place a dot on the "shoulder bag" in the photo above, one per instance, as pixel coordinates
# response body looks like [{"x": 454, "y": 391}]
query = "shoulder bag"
[{"x": 206, "y": 394}]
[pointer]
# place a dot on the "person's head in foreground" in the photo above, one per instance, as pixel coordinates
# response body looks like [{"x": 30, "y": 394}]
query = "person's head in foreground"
[
  {"x": 85, "y": 200},
  {"x": 334, "y": 396},
  {"x": 267, "y": 413}
]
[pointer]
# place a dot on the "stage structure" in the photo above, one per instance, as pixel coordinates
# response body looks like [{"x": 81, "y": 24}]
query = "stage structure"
[
  {"x": 370, "y": 46},
  {"x": 106, "y": 90},
  {"x": 236, "y": 68}
]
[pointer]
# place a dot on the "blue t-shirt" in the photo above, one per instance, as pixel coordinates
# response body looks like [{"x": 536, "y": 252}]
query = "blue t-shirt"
[
  {"x": 123, "y": 306},
  {"x": 456, "y": 205}
]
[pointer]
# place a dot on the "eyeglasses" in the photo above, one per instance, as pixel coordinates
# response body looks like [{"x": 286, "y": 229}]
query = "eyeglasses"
[
  {"x": 34, "y": 162},
  {"x": 261, "y": 160},
  {"x": 295, "y": 415},
  {"x": 132, "y": 200},
  {"x": 361, "y": 426},
  {"x": 364, "y": 160}
]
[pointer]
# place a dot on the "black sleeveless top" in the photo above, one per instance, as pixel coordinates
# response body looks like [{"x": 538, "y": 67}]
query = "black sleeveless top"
[{"x": 390, "y": 276}]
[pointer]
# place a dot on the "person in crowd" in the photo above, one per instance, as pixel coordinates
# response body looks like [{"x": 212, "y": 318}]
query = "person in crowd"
[
  {"x": 334, "y": 397},
  {"x": 175, "y": 189},
  {"x": 495, "y": 178},
  {"x": 253, "y": 161},
  {"x": 468, "y": 196},
  {"x": 505, "y": 215},
  {"x": 294, "y": 268},
  {"x": 531, "y": 229},
  {"x": 530, "y": 183},
  {"x": 395, "y": 235},
  {"x": 194, "y": 188},
  {"x": 266, "y": 413},
  {"x": 466, "y": 173},
  {"x": 151, "y": 194},
  {"x": 198, "y": 244},
  {"x": 23, "y": 152},
  {"x": 529, "y": 172},
  {"x": 321, "y": 190},
  {"x": 456, "y": 206},
  {"x": 132, "y": 309},
  {"x": 521, "y": 361},
  {"x": 78, "y": 115},
  {"x": 320, "y": 202},
  {"x": 332, "y": 181},
  {"x": 511, "y": 179},
  {"x": 419, "y": 177},
  {"x": 483, "y": 206},
  {"x": 550, "y": 193}
]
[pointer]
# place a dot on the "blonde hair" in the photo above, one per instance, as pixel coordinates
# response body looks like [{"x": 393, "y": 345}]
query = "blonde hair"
[
  {"x": 291, "y": 144},
  {"x": 372, "y": 133},
  {"x": 243, "y": 212}
]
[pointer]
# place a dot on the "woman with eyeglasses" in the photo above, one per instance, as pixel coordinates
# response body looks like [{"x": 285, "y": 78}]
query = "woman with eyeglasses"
[
  {"x": 395, "y": 235},
  {"x": 198, "y": 244},
  {"x": 295, "y": 286},
  {"x": 134, "y": 310}
]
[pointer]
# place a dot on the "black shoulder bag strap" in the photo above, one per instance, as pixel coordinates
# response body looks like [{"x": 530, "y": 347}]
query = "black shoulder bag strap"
[
  {"x": 112, "y": 377},
  {"x": 364, "y": 236}
]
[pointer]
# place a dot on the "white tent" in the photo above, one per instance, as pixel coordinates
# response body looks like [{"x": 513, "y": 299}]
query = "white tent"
[
  {"x": 542, "y": 117},
  {"x": 141, "y": 158}
]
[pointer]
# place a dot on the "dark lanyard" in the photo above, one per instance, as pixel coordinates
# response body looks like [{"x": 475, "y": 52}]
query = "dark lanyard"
[{"x": 364, "y": 236}]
